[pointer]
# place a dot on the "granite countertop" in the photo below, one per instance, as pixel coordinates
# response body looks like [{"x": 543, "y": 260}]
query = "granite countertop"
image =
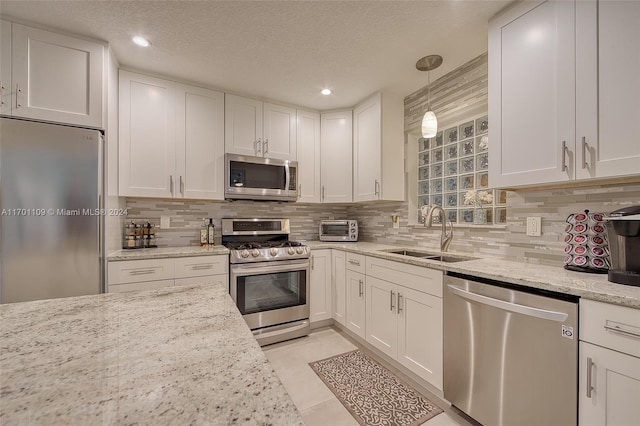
[
  {"x": 165, "y": 252},
  {"x": 178, "y": 355}
]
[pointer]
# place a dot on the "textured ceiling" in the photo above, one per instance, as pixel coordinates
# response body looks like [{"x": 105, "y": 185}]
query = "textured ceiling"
[{"x": 280, "y": 50}]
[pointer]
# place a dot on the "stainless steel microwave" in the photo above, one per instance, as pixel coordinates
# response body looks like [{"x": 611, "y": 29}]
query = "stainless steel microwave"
[
  {"x": 258, "y": 178},
  {"x": 339, "y": 230}
]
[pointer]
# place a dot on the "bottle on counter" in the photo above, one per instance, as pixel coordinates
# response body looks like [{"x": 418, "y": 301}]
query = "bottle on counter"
[
  {"x": 204, "y": 234},
  {"x": 210, "y": 228},
  {"x": 151, "y": 232},
  {"x": 129, "y": 237}
]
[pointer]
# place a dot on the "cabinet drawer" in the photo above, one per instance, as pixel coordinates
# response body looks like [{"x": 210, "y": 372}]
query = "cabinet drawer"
[
  {"x": 420, "y": 279},
  {"x": 201, "y": 265},
  {"x": 222, "y": 279},
  {"x": 134, "y": 271},
  {"x": 356, "y": 262},
  {"x": 611, "y": 326},
  {"x": 147, "y": 285}
]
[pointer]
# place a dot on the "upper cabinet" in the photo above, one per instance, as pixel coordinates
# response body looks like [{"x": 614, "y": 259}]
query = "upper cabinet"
[
  {"x": 378, "y": 149},
  {"x": 563, "y": 93},
  {"x": 171, "y": 139},
  {"x": 308, "y": 129},
  {"x": 52, "y": 77},
  {"x": 260, "y": 129},
  {"x": 335, "y": 157}
]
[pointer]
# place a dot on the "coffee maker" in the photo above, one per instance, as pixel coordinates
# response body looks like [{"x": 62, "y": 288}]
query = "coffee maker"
[{"x": 623, "y": 229}]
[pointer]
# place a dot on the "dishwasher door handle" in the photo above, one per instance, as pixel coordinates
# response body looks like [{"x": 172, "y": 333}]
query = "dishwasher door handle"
[{"x": 508, "y": 306}]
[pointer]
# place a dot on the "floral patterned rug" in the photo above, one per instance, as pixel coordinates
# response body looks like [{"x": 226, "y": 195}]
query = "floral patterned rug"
[{"x": 371, "y": 393}]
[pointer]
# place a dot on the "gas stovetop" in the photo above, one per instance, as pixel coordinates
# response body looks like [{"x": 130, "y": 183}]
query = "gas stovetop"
[{"x": 266, "y": 251}]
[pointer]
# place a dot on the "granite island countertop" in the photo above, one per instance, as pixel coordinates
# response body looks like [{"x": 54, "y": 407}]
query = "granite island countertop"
[
  {"x": 166, "y": 252},
  {"x": 177, "y": 355}
]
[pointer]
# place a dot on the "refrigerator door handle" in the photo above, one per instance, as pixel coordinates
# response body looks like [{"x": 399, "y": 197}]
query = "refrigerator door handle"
[{"x": 508, "y": 306}]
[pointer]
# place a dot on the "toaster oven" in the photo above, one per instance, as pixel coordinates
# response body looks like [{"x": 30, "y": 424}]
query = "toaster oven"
[{"x": 339, "y": 230}]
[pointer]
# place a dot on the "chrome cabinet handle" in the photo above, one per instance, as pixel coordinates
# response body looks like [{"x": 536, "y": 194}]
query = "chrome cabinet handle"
[
  {"x": 354, "y": 262},
  {"x": 360, "y": 291},
  {"x": 171, "y": 184},
  {"x": 377, "y": 188},
  {"x": 589, "y": 376},
  {"x": 299, "y": 191},
  {"x": 1, "y": 93},
  {"x": 616, "y": 327},
  {"x": 564, "y": 156},
  {"x": 258, "y": 145},
  {"x": 391, "y": 298},
  {"x": 181, "y": 186},
  {"x": 18, "y": 91},
  {"x": 201, "y": 267},
  {"x": 142, "y": 271},
  {"x": 584, "y": 153},
  {"x": 399, "y": 303},
  {"x": 323, "y": 193},
  {"x": 265, "y": 146},
  {"x": 312, "y": 261}
]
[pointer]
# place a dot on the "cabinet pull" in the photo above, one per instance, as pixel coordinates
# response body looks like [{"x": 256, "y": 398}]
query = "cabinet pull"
[
  {"x": 616, "y": 327},
  {"x": 584, "y": 153},
  {"x": 201, "y": 267},
  {"x": 564, "y": 156},
  {"x": 299, "y": 191},
  {"x": 323, "y": 193},
  {"x": 265, "y": 146},
  {"x": 258, "y": 146},
  {"x": 181, "y": 186},
  {"x": 142, "y": 271},
  {"x": 18, "y": 91},
  {"x": 360, "y": 292},
  {"x": 312, "y": 262},
  {"x": 354, "y": 262},
  {"x": 1, "y": 93},
  {"x": 589, "y": 376},
  {"x": 391, "y": 293},
  {"x": 171, "y": 184},
  {"x": 399, "y": 303},
  {"x": 377, "y": 188}
]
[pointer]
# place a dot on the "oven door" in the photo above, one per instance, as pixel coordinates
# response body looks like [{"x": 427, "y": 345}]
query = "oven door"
[{"x": 270, "y": 293}]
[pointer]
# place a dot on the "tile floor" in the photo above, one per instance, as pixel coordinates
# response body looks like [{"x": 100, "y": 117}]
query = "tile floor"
[{"x": 317, "y": 404}]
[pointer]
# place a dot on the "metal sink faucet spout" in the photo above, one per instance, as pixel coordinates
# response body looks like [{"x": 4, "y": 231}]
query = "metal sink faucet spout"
[{"x": 445, "y": 237}]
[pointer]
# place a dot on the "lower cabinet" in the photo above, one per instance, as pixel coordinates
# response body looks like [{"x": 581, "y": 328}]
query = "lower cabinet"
[
  {"x": 320, "y": 299},
  {"x": 339, "y": 286},
  {"x": 609, "y": 391},
  {"x": 148, "y": 274},
  {"x": 356, "y": 303}
]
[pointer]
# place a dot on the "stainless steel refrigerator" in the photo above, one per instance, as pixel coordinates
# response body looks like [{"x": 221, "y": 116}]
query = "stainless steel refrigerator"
[{"x": 51, "y": 226}]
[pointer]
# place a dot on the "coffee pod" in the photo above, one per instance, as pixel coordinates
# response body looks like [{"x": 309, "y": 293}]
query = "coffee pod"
[
  {"x": 567, "y": 238},
  {"x": 598, "y": 251},
  {"x": 568, "y": 248},
  {"x": 580, "y": 228},
  {"x": 598, "y": 240},
  {"x": 580, "y": 250},
  {"x": 579, "y": 239},
  {"x": 568, "y": 260},
  {"x": 580, "y": 260},
  {"x": 580, "y": 218},
  {"x": 598, "y": 263},
  {"x": 597, "y": 230},
  {"x": 596, "y": 218},
  {"x": 568, "y": 228}
]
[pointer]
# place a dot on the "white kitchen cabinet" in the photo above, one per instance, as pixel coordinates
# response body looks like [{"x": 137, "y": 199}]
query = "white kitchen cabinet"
[
  {"x": 607, "y": 88},
  {"x": 308, "y": 129},
  {"x": 381, "y": 315},
  {"x": 320, "y": 299},
  {"x": 563, "y": 91},
  {"x": 336, "y": 157},
  {"x": 609, "y": 390},
  {"x": 53, "y": 77},
  {"x": 356, "y": 297},
  {"x": 171, "y": 139},
  {"x": 260, "y": 129},
  {"x": 378, "y": 148},
  {"x": 5, "y": 67},
  {"x": 339, "y": 286}
]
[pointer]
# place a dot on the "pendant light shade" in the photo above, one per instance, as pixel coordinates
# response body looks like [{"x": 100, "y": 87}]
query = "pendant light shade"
[
  {"x": 429, "y": 125},
  {"x": 429, "y": 120}
]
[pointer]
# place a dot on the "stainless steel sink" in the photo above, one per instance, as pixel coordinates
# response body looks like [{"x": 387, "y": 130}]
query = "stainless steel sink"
[{"x": 447, "y": 258}]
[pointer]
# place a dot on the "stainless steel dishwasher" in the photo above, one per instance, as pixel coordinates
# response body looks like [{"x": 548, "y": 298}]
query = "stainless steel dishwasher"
[{"x": 510, "y": 354}]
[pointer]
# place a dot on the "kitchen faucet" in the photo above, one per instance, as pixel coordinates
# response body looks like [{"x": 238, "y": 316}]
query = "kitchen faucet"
[{"x": 445, "y": 237}]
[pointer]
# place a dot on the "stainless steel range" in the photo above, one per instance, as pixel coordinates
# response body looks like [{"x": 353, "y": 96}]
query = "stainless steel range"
[{"x": 269, "y": 277}]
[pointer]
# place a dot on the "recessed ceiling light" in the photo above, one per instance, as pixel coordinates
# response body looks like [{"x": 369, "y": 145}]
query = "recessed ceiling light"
[
  {"x": 141, "y": 41},
  {"x": 326, "y": 92}
]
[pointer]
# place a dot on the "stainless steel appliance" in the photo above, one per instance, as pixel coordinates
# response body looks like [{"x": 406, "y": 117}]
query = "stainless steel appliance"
[
  {"x": 258, "y": 178},
  {"x": 510, "y": 356},
  {"x": 269, "y": 277},
  {"x": 623, "y": 229},
  {"x": 51, "y": 200},
  {"x": 338, "y": 230}
]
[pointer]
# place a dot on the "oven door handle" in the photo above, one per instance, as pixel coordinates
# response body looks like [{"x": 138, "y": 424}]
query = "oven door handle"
[{"x": 243, "y": 269}]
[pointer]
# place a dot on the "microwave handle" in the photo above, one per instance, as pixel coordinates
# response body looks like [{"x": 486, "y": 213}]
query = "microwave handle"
[{"x": 287, "y": 177}]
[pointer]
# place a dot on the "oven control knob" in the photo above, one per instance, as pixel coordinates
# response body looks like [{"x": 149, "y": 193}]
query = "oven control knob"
[
  {"x": 255, "y": 252},
  {"x": 244, "y": 253},
  {"x": 291, "y": 250},
  {"x": 299, "y": 250},
  {"x": 273, "y": 251}
]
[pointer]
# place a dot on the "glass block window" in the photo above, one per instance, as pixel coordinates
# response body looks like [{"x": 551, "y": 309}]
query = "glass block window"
[{"x": 453, "y": 162}]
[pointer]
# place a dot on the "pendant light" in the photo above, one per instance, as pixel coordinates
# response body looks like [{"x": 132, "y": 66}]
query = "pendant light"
[{"x": 429, "y": 120}]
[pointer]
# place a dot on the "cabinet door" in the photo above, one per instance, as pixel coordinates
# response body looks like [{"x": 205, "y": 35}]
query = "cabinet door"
[
  {"x": 280, "y": 138},
  {"x": 5, "y": 67},
  {"x": 381, "y": 316},
  {"x": 308, "y": 130},
  {"x": 356, "y": 303},
  {"x": 221, "y": 279},
  {"x": 608, "y": 88},
  {"x": 199, "y": 143},
  {"x": 335, "y": 157},
  {"x": 320, "y": 285},
  {"x": 57, "y": 78},
  {"x": 615, "y": 387},
  {"x": 243, "y": 125},
  {"x": 420, "y": 334},
  {"x": 532, "y": 94},
  {"x": 146, "y": 136},
  {"x": 367, "y": 148},
  {"x": 339, "y": 286}
]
